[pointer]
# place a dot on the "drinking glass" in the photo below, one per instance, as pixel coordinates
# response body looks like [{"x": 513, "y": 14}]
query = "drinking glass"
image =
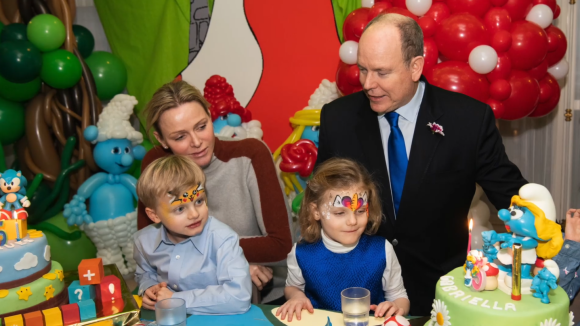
[
  {"x": 356, "y": 303},
  {"x": 170, "y": 312}
]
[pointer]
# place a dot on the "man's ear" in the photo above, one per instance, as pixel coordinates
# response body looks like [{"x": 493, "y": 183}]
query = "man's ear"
[
  {"x": 314, "y": 211},
  {"x": 152, "y": 216},
  {"x": 417, "y": 64}
]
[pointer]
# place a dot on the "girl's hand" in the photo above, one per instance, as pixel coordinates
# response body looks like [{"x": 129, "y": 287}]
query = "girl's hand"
[
  {"x": 295, "y": 305},
  {"x": 387, "y": 309}
]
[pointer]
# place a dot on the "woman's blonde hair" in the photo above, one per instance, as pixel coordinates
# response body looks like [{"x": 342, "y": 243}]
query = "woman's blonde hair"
[
  {"x": 337, "y": 174},
  {"x": 172, "y": 175},
  {"x": 169, "y": 96}
]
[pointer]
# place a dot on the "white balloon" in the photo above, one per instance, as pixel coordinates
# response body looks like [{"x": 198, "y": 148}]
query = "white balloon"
[
  {"x": 367, "y": 3},
  {"x": 559, "y": 70},
  {"x": 483, "y": 59},
  {"x": 541, "y": 15},
  {"x": 418, "y": 7},
  {"x": 347, "y": 52}
]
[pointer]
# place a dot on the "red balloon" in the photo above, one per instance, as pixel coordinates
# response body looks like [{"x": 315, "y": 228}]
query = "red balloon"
[
  {"x": 496, "y": 107},
  {"x": 501, "y": 41},
  {"x": 539, "y": 72},
  {"x": 518, "y": 9},
  {"x": 355, "y": 23},
  {"x": 475, "y": 7},
  {"x": 400, "y": 4},
  {"x": 498, "y": 3},
  {"x": 430, "y": 53},
  {"x": 557, "y": 12},
  {"x": 497, "y": 19},
  {"x": 529, "y": 45},
  {"x": 402, "y": 11},
  {"x": 558, "y": 43},
  {"x": 439, "y": 12},
  {"x": 378, "y": 8},
  {"x": 347, "y": 78},
  {"x": 545, "y": 91},
  {"x": 502, "y": 69},
  {"x": 459, "y": 34},
  {"x": 524, "y": 96},
  {"x": 550, "y": 3},
  {"x": 459, "y": 77},
  {"x": 500, "y": 89},
  {"x": 428, "y": 25},
  {"x": 552, "y": 101}
]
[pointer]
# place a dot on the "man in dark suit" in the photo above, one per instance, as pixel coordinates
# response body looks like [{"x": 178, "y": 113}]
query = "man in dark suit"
[{"x": 426, "y": 178}]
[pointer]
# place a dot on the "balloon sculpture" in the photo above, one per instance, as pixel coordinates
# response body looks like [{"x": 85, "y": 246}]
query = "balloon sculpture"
[
  {"x": 506, "y": 53},
  {"x": 112, "y": 219},
  {"x": 230, "y": 119}
]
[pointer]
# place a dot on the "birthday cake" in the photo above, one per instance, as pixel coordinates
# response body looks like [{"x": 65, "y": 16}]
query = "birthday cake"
[{"x": 513, "y": 279}]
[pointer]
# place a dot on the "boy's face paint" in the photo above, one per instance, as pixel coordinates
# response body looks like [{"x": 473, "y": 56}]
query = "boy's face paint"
[
  {"x": 344, "y": 217},
  {"x": 184, "y": 216}
]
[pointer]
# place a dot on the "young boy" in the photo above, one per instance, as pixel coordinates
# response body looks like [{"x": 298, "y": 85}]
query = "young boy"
[{"x": 187, "y": 254}]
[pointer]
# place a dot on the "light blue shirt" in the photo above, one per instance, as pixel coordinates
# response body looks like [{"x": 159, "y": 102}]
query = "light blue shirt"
[
  {"x": 407, "y": 120},
  {"x": 209, "y": 270}
]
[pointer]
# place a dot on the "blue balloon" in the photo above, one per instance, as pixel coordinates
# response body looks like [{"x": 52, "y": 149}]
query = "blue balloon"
[{"x": 311, "y": 133}]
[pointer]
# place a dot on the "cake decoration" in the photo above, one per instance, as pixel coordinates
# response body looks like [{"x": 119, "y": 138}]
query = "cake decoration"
[
  {"x": 440, "y": 314},
  {"x": 545, "y": 280},
  {"x": 24, "y": 293},
  {"x": 3, "y": 293},
  {"x": 396, "y": 321},
  {"x": 49, "y": 276},
  {"x": 28, "y": 261},
  {"x": 550, "y": 322},
  {"x": 13, "y": 198},
  {"x": 47, "y": 253},
  {"x": 517, "y": 272},
  {"x": 571, "y": 318},
  {"x": 59, "y": 274},
  {"x": 49, "y": 292}
]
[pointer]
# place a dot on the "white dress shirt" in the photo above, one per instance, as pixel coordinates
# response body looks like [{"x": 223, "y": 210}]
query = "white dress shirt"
[{"x": 393, "y": 286}]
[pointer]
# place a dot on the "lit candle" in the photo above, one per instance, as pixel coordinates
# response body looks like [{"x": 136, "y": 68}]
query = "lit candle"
[{"x": 469, "y": 243}]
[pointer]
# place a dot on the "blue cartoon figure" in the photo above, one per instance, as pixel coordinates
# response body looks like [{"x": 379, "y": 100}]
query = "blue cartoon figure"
[
  {"x": 545, "y": 280},
  {"x": 13, "y": 194},
  {"x": 111, "y": 219},
  {"x": 530, "y": 221}
]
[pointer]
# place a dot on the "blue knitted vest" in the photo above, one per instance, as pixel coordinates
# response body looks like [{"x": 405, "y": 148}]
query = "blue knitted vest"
[{"x": 326, "y": 273}]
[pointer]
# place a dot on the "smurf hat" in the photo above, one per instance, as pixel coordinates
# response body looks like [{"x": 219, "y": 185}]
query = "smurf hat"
[
  {"x": 114, "y": 122},
  {"x": 541, "y": 197}
]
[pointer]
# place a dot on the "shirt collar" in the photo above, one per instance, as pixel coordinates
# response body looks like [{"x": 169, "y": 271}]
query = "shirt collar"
[
  {"x": 335, "y": 246},
  {"x": 198, "y": 241},
  {"x": 410, "y": 110}
]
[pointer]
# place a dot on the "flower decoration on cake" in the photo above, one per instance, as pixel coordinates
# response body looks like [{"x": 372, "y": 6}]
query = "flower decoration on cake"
[
  {"x": 436, "y": 128},
  {"x": 24, "y": 293},
  {"x": 571, "y": 318},
  {"x": 49, "y": 292},
  {"x": 59, "y": 274},
  {"x": 550, "y": 322},
  {"x": 440, "y": 314}
]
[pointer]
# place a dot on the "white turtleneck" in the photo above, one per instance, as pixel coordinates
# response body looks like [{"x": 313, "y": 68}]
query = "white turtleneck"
[{"x": 392, "y": 281}]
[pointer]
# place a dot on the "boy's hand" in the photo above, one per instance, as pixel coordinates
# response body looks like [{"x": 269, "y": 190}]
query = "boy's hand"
[
  {"x": 164, "y": 293},
  {"x": 261, "y": 275},
  {"x": 150, "y": 295},
  {"x": 295, "y": 305},
  {"x": 387, "y": 309},
  {"x": 572, "y": 230}
]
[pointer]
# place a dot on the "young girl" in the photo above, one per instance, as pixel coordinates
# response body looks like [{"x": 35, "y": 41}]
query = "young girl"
[{"x": 340, "y": 212}]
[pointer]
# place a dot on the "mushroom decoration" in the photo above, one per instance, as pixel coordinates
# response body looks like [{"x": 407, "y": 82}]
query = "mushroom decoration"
[{"x": 396, "y": 321}]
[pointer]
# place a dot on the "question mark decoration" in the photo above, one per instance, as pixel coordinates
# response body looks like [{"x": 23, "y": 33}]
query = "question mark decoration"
[{"x": 80, "y": 293}]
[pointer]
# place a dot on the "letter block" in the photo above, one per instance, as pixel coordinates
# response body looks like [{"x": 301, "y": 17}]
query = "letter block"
[
  {"x": 70, "y": 314},
  {"x": 109, "y": 289},
  {"x": 87, "y": 309},
  {"x": 110, "y": 308},
  {"x": 33, "y": 319},
  {"x": 91, "y": 271},
  {"x": 52, "y": 317},
  {"x": 15, "y": 320},
  {"x": 78, "y": 292}
]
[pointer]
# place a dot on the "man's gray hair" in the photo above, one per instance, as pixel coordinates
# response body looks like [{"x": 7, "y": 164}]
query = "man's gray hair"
[{"x": 411, "y": 34}]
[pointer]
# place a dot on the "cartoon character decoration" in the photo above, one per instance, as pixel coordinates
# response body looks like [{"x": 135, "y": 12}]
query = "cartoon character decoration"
[
  {"x": 530, "y": 221},
  {"x": 545, "y": 280},
  {"x": 13, "y": 194},
  {"x": 112, "y": 219},
  {"x": 230, "y": 119},
  {"x": 479, "y": 273}
]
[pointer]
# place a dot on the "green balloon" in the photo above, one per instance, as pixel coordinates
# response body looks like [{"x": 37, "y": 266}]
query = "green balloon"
[
  {"x": 68, "y": 253},
  {"x": 11, "y": 121},
  {"x": 85, "y": 40},
  {"x": 60, "y": 69},
  {"x": 19, "y": 92},
  {"x": 109, "y": 73},
  {"x": 13, "y": 32},
  {"x": 46, "y": 32},
  {"x": 20, "y": 61},
  {"x": 1, "y": 27}
]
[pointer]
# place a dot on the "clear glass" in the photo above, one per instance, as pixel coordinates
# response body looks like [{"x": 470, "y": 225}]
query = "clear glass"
[
  {"x": 356, "y": 303},
  {"x": 170, "y": 312}
]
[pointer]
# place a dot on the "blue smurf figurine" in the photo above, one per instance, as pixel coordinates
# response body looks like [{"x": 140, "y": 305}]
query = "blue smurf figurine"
[
  {"x": 545, "y": 280},
  {"x": 112, "y": 219},
  {"x": 13, "y": 194}
]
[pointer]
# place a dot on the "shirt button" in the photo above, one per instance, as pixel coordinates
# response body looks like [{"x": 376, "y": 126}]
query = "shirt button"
[
  {"x": 395, "y": 242},
  {"x": 175, "y": 286},
  {"x": 177, "y": 257}
]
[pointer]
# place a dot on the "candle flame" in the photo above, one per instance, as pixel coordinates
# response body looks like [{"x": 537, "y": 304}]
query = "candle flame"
[{"x": 470, "y": 224}]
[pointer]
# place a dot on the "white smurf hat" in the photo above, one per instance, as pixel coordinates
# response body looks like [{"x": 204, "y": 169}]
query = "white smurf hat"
[{"x": 541, "y": 197}]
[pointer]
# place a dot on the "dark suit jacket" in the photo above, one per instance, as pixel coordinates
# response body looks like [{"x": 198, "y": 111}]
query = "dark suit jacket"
[{"x": 430, "y": 233}]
